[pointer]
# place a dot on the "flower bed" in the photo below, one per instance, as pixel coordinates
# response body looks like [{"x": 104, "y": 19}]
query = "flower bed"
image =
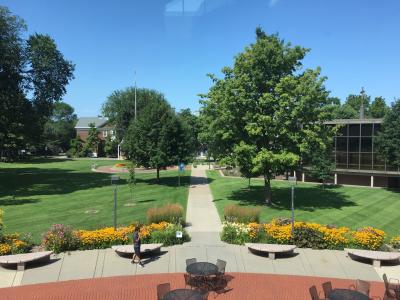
[
  {"x": 14, "y": 244},
  {"x": 306, "y": 235},
  {"x": 61, "y": 238},
  {"x": 120, "y": 165},
  {"x": 395, "y": 242}
]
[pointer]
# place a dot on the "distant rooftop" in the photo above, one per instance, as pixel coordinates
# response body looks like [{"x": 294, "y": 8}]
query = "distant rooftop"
[{"x": 85, "y": 121}]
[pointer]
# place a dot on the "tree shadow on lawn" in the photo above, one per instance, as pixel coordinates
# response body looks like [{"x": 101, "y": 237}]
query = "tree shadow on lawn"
[
  {"x": 43, "y": 160},
  {"x": 25, "y": 182},
  {"x": 307, "y": 198},
  {"x": 15, "y": 201},
  {"x": 172, "y": 181}
]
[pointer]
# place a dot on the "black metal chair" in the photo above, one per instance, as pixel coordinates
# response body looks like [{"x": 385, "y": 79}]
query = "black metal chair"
[
  {"x": 162, "y": 289},
  {"x": 190, "y": 261},
  {"x": 327, "y": 287}
]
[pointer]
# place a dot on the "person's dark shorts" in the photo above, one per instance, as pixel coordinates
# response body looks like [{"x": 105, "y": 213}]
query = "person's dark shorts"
[{"x": 137, "y": 250}]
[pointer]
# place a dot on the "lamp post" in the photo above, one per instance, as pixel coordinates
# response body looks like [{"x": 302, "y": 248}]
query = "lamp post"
[
  {"x": 292, "y": 181},
  {"x": 114, "y": 182}
]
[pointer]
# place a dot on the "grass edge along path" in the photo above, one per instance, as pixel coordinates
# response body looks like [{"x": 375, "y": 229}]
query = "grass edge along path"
[
  {"x": 35, "y": 195},
  {"x": 349, "y": 206}
]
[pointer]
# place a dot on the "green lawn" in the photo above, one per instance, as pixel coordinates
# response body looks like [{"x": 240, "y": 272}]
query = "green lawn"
[
  {"x": 39, "y": 193},
  {"x": 353, "y": 207}
]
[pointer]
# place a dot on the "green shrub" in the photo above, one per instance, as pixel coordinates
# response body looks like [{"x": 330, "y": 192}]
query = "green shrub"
[
  {"x": 172, "y": 213},
  {"x": 235, "y": 233},
  {"x": 306, "y": 237},
  {"x": 235, "y": 213},
  {"x": 168, "y": 236},
  {"x": 60, "y": 238}
]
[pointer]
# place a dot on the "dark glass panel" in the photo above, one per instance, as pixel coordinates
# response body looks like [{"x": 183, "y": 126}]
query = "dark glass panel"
[
  {"x": 341, "y": 166},
  {"x": 354, "y": 130},
  {"x": 366, "y": 161},
  {"x": 366, "y": 129},
  {"x": 354, "y": 144},
  {"x": 377, "y": 127},
  {"x": 366, "y": 144},
  {"x": 379, "y": 164},
  {"x": 341, "y": 144},
  {"x": 341, "y": 158},
  {"x": 353, "y": 160}
]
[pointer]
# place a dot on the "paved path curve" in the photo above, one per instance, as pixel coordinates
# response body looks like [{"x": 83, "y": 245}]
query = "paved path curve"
[{"x": 201, "y": 214}]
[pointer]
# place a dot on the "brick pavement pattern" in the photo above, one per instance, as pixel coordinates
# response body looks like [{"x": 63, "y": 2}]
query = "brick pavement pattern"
[{"x": 242, "y": 285}]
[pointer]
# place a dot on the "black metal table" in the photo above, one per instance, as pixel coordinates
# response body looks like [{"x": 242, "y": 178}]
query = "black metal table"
[
  {"x": 345, "y": 294},
  {"x": 203, "y": 273},
  {"x": 202, "y": 269},
  {"x": 183, "y": 294}
]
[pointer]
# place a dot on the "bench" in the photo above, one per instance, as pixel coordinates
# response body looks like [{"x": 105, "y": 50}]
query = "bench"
[
  {"x": 376, "y": 256},
  {"x": 271, "y": 249},
  {"x": 128, "y": 249},
  {"x": 21, "y": 259}
]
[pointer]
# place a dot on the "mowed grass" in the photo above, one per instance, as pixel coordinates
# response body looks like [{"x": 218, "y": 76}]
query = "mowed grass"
[
  {"x": 353, "y": 207},
  {"x": 39, "y": 193}
]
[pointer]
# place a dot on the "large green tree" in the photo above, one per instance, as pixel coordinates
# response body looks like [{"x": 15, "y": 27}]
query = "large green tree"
[
  {"x": 156, "y": 139},
  {"x": 59, "y": 130},
  {"x": 191, "y": 125},
  {"x": 33, "y": 76},
  {"x": 268, "y": 102},
  {"x": 388, "y": 140},
  {"x": 378, "y": 108},
  {"x": 120, "y": 107}
]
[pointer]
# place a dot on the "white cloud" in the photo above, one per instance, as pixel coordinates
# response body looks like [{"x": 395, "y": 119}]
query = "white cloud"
[{"x": 273, "y": 2}]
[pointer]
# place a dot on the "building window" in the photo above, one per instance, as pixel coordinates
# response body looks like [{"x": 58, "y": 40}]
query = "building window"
[
  {"x": 354, "y": 130},
  {"x": 105, "y": 133}
]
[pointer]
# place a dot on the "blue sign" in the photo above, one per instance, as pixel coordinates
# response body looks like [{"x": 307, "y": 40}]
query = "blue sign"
[{"x": 181, "y": 167}]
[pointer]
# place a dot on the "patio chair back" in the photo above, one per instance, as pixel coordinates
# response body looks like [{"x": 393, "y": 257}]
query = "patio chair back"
[
  {"x": 386, "y": 281},
  {"x": 327, "y": 287},
  {"x": 190, "y": 261},
  {"x": 363, "y": 287},
  {"x": 314, "y": 293},
  {"x": 221, "y": 264},
  {"x": 162, "y": 289}
]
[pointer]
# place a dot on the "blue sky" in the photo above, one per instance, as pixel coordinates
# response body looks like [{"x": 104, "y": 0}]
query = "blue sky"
[{"x": 173, "y": 45}]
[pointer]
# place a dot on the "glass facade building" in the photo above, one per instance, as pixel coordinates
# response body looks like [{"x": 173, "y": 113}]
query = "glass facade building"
[
  {"x": 355, "y": 147},
  {"x": 357, "y": 161}
]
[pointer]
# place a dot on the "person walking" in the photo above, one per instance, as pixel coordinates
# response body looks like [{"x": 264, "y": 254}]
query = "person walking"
[{"x": 136, "y": 246}]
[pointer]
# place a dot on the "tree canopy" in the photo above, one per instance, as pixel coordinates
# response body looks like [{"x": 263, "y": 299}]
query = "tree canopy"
[
  {"x": 388, "y": 140},
  {"x": 157, "y": 138},
  {"x": 33, "y": 76},
  {"x": 120, "y": 107},
  {"x": 266, "y": 101}
]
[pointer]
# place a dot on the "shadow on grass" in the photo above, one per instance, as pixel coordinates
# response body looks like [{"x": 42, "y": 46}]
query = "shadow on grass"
[
  {"x": 307, "y": 198},
  {"x": 25, "y": 182},
  {"x": 14, "y": 201},
  {"x": 43, "y": 160},
  {"x": 172, "y": 181},
  {"x": 31, "y": 181}
]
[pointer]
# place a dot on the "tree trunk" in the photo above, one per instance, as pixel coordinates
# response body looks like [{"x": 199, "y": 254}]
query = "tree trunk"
[
  {"x": 267, "y": 190},
  {"x": 249, "y": 182},
  {"x": 158, "y": 174}
]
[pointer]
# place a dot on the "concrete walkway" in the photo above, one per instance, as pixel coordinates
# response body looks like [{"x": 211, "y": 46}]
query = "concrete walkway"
[
  {"x": 106, "y": 263},
  {"x": 201, "y": 214}
]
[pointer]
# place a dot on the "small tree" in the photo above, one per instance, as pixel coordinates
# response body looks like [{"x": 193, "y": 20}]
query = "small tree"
[
  {"x": 93, "y": 140},
  {"x": 76, "y": 147},
  {"x": 111, "y": 146},
  {"x": 132, "y": 178},
  {"x": 244, "y": 155},
  {"x": 322, "y": 166}
]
